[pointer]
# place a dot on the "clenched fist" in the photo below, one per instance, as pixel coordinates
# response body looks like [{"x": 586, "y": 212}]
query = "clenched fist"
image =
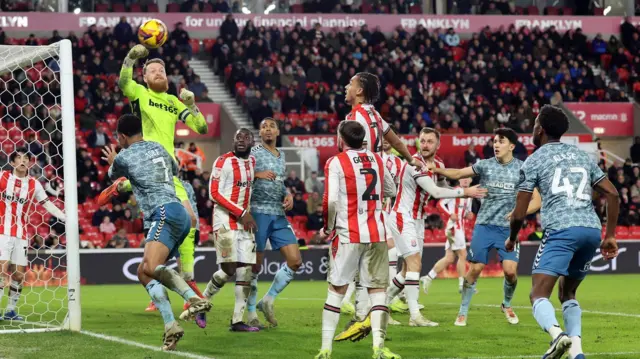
[
  {"x": 138, "y": 52},
  {"x": 187, "y": 97}
]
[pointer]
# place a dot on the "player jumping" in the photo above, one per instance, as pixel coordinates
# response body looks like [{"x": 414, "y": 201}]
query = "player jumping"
[
  {"x": 150, "y": 169},
  {"x": 357, "y": 181},
  {"x": 499, "y": 175},
  {"x": 457, "y": 210},
  {"x": 159, "y": 112},
  {"x": 362, "y": 92},
  {"x": 270, "y": 200},
  {"x": 565, "y": 176},
  {"x": 233, "y": 225},
  {"x": 19, "y": 192}
]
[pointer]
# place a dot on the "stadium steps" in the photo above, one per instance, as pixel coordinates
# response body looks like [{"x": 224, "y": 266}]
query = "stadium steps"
[{"x": 220, "y": 95}]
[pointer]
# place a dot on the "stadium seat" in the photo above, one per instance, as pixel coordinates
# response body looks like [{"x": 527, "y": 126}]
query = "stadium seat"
[
  {"x": 135, "y": 8},
  {"x": 152, "y": 8},
  {"x": 634, "y": 232},
  {"x": 195, "y": 46},
  {"x": 173, "y": 7},
  {"x": 102, "y": 7},
  {"x": 567, "y": 11},
  {"x": 622, "y": 232}
]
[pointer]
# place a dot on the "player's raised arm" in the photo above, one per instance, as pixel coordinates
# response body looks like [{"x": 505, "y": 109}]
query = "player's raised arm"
[
  {"x": 424, "y": 180},
  {"x": 219, "y": 175},
  {"x": 399, "y": 146},
  {"x": 126, "y": 82},
  {"x": 42, "y": 198},
  {"x": 190, "y": 114},
  {"x": 455, "y": 174}
]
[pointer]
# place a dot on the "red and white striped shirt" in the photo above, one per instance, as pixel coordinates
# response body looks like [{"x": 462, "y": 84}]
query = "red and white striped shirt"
[
  {"x": 393, "y": 164},
  {"x": 458, "y": 206},
  {"x": 411, "y": 199},
  {"x": 375, "y": 127},
  {"x": 18, "y": 194},
  {"x": 230, "y": 189},
  {"x": 357, "y": 181}
]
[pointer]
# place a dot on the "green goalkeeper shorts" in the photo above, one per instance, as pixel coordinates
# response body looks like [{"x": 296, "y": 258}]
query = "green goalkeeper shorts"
[{"x": 188, "y": 247}]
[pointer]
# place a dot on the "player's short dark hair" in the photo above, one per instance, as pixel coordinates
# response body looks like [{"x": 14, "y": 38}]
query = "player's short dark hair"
[
  {"x": 370, "y": 85},
  {"x": 507, "y": 133},
  {"x": 427, "y": 130},
  {"x": 129, "y": 125},
  {"x": 244, "y": 129},
  {"x": 152, "y": 61},
  {"x": 272, "y": 120},
  {"x": 352, "y": 133},
  {"x": 553, "y": 120},
  {"x": 19, "y": 151}
]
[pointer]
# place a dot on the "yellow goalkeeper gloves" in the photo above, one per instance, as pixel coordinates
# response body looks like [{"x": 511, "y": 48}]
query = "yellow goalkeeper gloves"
[
  {"x": 187, "y": 97},
  {"x": 138, "y": 52}
]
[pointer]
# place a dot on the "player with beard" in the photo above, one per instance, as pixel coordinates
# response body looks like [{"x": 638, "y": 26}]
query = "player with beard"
[{"x": 160, "y": 112}]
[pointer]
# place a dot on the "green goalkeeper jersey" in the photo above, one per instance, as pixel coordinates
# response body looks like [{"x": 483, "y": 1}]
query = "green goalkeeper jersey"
[{"x": 159, "y": 112}]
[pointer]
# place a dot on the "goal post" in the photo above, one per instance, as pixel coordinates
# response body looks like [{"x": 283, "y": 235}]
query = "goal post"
[{"x": 37, "y": 110}]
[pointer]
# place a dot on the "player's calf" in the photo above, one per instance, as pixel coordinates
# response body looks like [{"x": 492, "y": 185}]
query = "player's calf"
[{"x": 15, "y": 290}]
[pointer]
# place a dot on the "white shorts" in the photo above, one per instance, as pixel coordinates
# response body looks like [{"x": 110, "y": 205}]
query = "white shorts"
[
  {"x": 234, "y": 246},
  {"x": 456, "y": 240},
  {"x": 370, "y": 261},
  {"x": 14, "y": 250},
  {"x": 408, "y": 233}
]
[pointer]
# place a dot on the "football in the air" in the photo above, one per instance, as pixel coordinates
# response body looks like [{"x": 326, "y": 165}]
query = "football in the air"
[{"x": 153, "y": 33}]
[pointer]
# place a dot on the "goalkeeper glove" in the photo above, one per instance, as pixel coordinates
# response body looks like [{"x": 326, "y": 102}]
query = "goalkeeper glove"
[
  {"x": 187, "y": 97},
  {"x": 137, "y": 52}
]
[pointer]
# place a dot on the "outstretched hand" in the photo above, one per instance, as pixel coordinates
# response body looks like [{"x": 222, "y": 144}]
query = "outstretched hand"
[{"x": 109, "y": 153}]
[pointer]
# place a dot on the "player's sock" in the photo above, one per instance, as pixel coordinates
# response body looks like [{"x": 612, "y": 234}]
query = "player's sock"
[
  {"x": 468, "y": 290},
  {"x": 393, "y": 262},
  {"x": 379, "y": 318},
  {"x": 350, "y": 290},
  {"x": 15, "y": 290},
  {"x": 412, "y": 288},
  {"x": 546, "y": 317},
  {"x": 243, "y": 288},
  {"x": 432, "y": 274},
  {"x": 460, "y": 281},
  {"x": 576, "y": 347},
  {"x": 362, "y": 302},
  {"x": 280, "y": 282},
  {"x": 218, "y": 279},
  {"x": 396, "y": 286},
  {"x": 572, "y": 315},
  {"x": 172, "y": 280},
  {"x": 508, "y": 288},
  {"x": 159, "y": 296},
  {"x": 1, "y": 288},
  {"x": 330, "y": 318},
  {"x": 253, "y": 298}
]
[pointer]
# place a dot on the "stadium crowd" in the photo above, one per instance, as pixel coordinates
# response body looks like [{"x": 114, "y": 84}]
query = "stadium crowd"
[
  {"x": 434, "y": 79},
  {"x": 495, "y": 79}
]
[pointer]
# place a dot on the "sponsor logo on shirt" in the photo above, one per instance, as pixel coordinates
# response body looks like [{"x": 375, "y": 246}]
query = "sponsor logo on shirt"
[{"x": 162, "y": 106}]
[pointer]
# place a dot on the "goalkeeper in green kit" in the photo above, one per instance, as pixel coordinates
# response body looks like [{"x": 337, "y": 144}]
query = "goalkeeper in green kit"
[{"x": 160, "y": 112}]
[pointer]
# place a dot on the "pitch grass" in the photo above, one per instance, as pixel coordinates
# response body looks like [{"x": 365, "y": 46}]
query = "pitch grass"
[{"x": 118, "y": 310}]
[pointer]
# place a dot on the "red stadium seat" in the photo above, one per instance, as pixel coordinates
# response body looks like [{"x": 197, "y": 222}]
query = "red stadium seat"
[
  {"x": 598, "y": 11},
  {"x": 622, "y": 232},
  {"x": 173, "y": 7},
  {"x": 118, "y": 7},
  {"x": 567, "y": 11},
  {"x": 533, "y": 10},
  {"x": 207, "y": 8},
  {"x": 552, "y": 10},
  {"x": 208, "y": 45},
  {"x": 415, "y": 9},
  {"x": 195, "y": 45},
  {"x": 135, "y": 8},
  {"x": 634, "y": 232},
  {"x": 152, "y": 8},
  {"x": 102, "y": 7}
]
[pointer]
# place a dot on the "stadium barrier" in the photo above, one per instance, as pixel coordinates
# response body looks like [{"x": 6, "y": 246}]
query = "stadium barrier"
[{"x": 118, "y": 266}]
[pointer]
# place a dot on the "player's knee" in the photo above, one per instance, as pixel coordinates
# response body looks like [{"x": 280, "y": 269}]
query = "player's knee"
[
  {"x": 510, "y": 276},
  {"x": 17, "y": 276},
  {"x": 449, "y": 258},
  {"x": 294, "y": 264}
]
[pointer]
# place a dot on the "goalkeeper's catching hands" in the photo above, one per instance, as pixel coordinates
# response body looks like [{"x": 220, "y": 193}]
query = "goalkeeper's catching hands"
[
  {"x": 136, "y": 52},
  {"x": 188, "y": 98}
]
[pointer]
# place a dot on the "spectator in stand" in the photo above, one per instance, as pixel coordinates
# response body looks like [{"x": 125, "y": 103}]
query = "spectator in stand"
[
  {"x": 55, "y": 37},
  {"x": 635, "y": 150},
  {"x": 88, "y": 120},
  {"x": 107, "y": 227},
  {"x": 221, "y": 6},
  {"x": 31, "y": 41},
  {"x": 126, "y": 222},
  {"x": 197, "y": 87},
  {"x": 229, "y": 29},
  {"x": 119, "y": 240},
  {"x": 182, "y": 40},
  {"x": 313, "y": 184},
  {"x": 313, "y": 201},
  {"x": 299, "y": 206},
  {"x": 53, "y": 241},
  {"x": 294, "y": 183},
  {"x": 316, "y": 220},
  {"x": 261, "y": 112},
  {"x": 470, "y": 155},
  {"x": 80, "y": 101},
  {"x": 99, "y": 215},
  {"x": 85, "y": 191},
  {"x": 451, "y": 38},
  {"x": 98, "y": 138},
  {"x": 123, "y": 33},
  {"x": 37, "y": 242},
  {"x": 487, "y": 150},
  {"x": 3, "y": 37}
]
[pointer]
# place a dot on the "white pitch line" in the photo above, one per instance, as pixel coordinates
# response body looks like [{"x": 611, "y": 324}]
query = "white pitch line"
[
  {"x": 143, "y": 346},
  {"x": 538, "y": 356},
  {"x": 615, "y": 314}
]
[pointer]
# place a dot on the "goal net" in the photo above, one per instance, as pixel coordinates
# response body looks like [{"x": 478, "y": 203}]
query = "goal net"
[{"x": 39, "y": 255}]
